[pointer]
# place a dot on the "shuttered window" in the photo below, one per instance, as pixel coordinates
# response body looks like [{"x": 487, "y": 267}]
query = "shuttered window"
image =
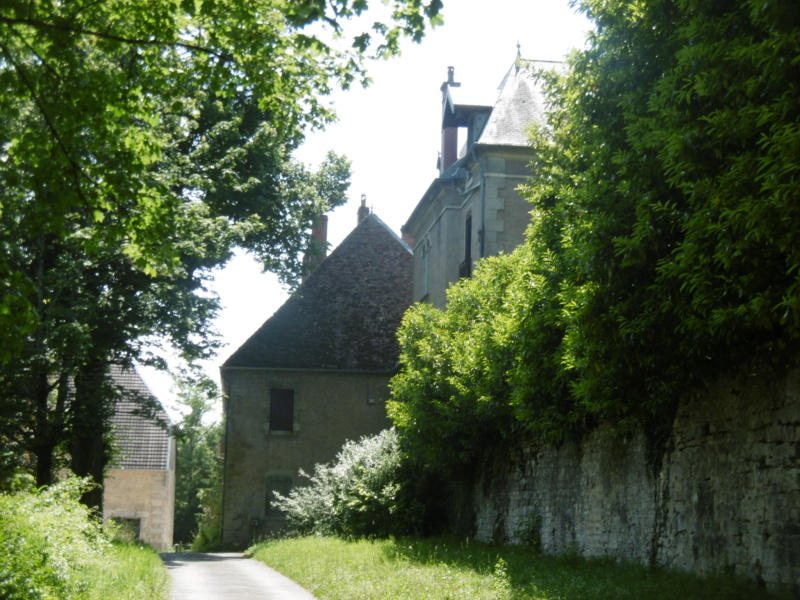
[
  {"x": 276, "y": 483},
  {"x": 281, "y": 410}
]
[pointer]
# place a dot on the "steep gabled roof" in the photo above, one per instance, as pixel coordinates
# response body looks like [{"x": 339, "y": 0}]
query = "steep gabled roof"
[
  {"x": 345, "y": 315},
  {"x": 143, "y": 442}
]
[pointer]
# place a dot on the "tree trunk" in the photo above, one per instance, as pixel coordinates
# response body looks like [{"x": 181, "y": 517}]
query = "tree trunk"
[{"x": 91, "y": 411}]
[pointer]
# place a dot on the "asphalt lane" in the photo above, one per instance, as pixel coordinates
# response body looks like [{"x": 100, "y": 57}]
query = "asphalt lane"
[{"x": 227, "y": 576}]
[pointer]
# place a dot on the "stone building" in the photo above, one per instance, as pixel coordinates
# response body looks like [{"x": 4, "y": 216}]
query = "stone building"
[
  {"x": 139, "y": 489},
  {"x": 313, "y": 375},
  {"x": 473, "y": 209}
]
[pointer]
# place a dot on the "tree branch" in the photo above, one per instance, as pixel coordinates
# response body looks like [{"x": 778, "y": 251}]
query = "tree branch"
[
  {"x": 113, "y": 37},
  {"x": 77, "y": 170}
]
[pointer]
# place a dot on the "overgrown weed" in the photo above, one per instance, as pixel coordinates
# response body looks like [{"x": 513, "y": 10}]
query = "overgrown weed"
[{"x": 54, "y": 547}]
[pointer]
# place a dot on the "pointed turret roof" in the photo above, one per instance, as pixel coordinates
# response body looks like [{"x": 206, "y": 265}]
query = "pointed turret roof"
[{"x": 519, "y": 105}]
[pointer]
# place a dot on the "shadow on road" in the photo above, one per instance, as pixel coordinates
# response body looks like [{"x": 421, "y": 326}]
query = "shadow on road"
[{"x": 175, "y": 559}]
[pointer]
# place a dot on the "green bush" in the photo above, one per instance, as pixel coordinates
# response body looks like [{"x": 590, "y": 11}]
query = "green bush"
[
  {"x": 663, "y": 249},
  {"x": 53, "y": 547},
  {"x": 369, "y": 490},
  {"x": 48, "y": 540},
  {"x": 209, "y": 534}
]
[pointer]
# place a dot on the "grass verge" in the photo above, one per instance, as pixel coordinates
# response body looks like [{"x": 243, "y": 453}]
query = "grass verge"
[
  {"x": 449, "y": 569},
  {"x": 127, "y": 572}
]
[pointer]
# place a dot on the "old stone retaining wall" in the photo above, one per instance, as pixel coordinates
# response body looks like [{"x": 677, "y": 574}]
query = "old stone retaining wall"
[{"x": 725, "y": 496}]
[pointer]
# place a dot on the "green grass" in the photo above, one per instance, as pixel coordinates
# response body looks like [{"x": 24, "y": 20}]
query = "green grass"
[
  {"x": 127, "y": 572},
  {"x": 448, "y": 569}
]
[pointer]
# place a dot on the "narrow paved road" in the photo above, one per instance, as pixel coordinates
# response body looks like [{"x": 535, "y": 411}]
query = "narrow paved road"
[{"x": 227, "y": 576}]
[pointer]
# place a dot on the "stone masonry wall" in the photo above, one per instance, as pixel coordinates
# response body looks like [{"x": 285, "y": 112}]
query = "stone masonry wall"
[
  {"x": 725, "y": 499},
  {"x": 145, "y": 495}
]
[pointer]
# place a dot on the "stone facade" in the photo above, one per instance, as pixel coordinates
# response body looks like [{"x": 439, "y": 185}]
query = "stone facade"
[
  {"x": 330, "y": 408},
  {"x": 146, "y": 497},
  {"x": 474, "y": 209},
  {"x": 725, "y": 498},
  {"x": 454, "y": 228}
]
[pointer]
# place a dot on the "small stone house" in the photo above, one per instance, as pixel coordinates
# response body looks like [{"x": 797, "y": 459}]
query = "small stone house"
[
  {"x": 139, "y": 488},
  {"x": 313, "y": 376},
  {"x": 473, "y": 209}
]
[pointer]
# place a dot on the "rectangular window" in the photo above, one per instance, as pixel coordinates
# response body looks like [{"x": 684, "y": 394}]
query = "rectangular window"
[
  {"x": 465, "y": 268},
  {"x": 468, "y": 240},
  {"x": 276, "y": 483},
  {"x": 426, "y": 264},
  {"x": 281, "y": 410}
]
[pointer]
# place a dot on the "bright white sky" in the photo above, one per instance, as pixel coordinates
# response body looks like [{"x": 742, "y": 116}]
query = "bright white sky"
[{"x": 391, "y": 134}]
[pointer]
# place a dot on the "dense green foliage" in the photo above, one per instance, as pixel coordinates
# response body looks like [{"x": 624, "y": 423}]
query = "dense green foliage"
[
  {"x": 459, "y": 569},
  {"x": 54, "y": 548},
  {"x": 452, "y": 399},
  {"x": 664, "y": 246},
  {"x": 142, "y": 142},
  {"x": 198, "y": 474},
  {"x": 369, "y": 490}
]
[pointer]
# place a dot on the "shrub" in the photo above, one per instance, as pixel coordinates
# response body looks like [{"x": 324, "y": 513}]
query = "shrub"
[
  {"x": 54, "y": 547},
  {"x": 48, "y": 539},
  {"x": 369, "y": 490}
]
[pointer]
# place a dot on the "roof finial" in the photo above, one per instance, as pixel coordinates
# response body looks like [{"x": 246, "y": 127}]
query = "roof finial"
[
  {"x": 451, "y": 79},
  {"x": 519, "y": 56}
]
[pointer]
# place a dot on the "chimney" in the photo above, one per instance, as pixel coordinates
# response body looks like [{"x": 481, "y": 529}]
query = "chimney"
[
  {"x": 449, "y": 153},
  {"x": 319, "y": 232},
  {"x": 318, "y": 248},
  {"x": 363, "y": 211}
]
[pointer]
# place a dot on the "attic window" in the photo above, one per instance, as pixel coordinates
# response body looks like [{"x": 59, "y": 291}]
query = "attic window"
[{"x": 281, "y": 409}]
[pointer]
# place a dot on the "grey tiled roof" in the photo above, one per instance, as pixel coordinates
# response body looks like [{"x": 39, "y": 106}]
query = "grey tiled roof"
[
  {"x": 345, "y": 315},
  {"x": 519, "y": 104},
  {"x": 142, "y": 442}
]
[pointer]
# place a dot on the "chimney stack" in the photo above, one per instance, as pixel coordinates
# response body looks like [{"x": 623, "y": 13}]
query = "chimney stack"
[
  {"x": 318, "y": 248},
  {"x": 363, "y": 211},
  {"x": 449, "y": 153}
]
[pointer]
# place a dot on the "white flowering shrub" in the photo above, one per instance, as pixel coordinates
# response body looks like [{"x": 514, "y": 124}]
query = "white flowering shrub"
[{"x": 369, "y": 490}]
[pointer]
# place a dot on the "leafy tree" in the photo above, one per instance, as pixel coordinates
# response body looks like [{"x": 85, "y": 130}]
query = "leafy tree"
[
  {"x": 663, "y": 249},
  {"x": 198, "y": 456},
  {"x": 455, "y": 401},
  {"x": 142, "y": 142},
  {"x": 670, "y": 138}
]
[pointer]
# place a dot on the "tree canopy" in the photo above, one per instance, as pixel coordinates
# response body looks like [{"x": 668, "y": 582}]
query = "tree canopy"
[
  {"x": 141, "y": 143},
  {"x": 664, "y": 247}
]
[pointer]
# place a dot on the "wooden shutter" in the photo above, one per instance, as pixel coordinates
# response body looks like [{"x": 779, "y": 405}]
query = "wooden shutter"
[{"x": 281, "y": 410}]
